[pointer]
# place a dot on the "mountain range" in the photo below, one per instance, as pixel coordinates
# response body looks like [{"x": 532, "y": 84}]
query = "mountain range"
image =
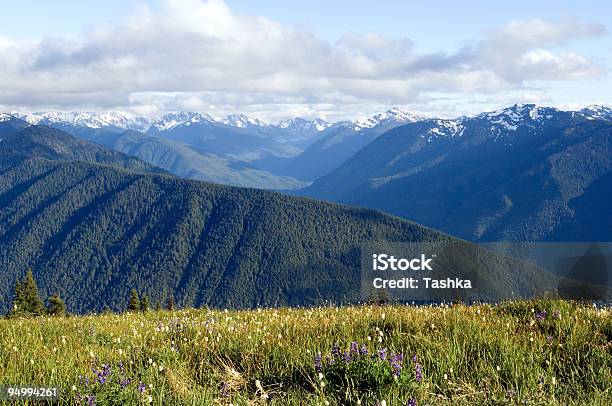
[
  {"x": 523, "y": 173},
  {"x": 93, "y": 223},
  {"x": 235, "y": 150},
  {"x": 520, "y": 173}
]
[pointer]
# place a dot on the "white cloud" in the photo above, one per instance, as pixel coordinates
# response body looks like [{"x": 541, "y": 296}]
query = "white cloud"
[{"x": 200, "y": 55}]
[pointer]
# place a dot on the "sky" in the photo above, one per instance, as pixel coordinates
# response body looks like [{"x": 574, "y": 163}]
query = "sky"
[{"x": 275, "y": 59}]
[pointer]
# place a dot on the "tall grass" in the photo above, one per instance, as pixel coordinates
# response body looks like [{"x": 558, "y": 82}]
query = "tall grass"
[{"x": 532, "y": 352}]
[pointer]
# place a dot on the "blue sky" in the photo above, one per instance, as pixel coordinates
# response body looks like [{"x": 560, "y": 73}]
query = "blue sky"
[{"x": 436, "y": 57}]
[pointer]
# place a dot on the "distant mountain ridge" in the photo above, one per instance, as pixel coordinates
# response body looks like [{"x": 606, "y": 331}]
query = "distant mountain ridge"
[
  {"x": 235, "y": 150},
  {"x": 523, "y": 173}
]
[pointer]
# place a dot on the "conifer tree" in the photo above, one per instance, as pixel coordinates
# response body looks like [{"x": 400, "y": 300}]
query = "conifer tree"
[
  {"x": 56, "y": 306},
  {"x": 32, "y": 303},
  {"x": 171, "y": 303},
  {"x": 157, "y": 306},
  {"x": 144, "y": 303},
  {"x": 134, "y": 304}
]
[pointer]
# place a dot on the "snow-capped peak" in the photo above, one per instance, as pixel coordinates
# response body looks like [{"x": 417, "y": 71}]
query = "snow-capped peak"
[
  {"x": 597, "y": 111},
  {"x": 300, "y": 124},
  {"x": 5, "y": 117},
  {"x": 513, "y": 116},
  {"x": 171, "y": 120},
  {"x": 120, "y": 120},
  {"x": 393, "y": 115},
  {"x": 241, "y": 121}
]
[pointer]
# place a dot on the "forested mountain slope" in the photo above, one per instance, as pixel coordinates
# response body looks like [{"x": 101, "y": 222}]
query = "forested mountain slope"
[{"x": 93, "y": 224}]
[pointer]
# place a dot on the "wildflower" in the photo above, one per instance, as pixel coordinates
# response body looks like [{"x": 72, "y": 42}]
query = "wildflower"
[
  {"x": 346, "y": 357},
  {"x": 124, "y": 383},
  {"x": 335, "y": 350},
  {"x": 541, "y": 316},
  {"x": 317, "y": 361},
  {"x": 364, "y": 349},
  {"x": 141, "y": 387},
  {"x": 411, "y": 402},
  {"x": 382, "y": 354},
  {"x": 354, "y": 348},
  {"x": 150, "y": 398},
  {"x": 418, "y": 372},
  {"x": 320, "y": 376},
  {"x": 556, "y": 314},
  {"x": 74, "y": 388}
]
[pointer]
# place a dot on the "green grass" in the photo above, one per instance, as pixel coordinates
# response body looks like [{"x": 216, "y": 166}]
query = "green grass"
[{"x": 468, "y": 355}]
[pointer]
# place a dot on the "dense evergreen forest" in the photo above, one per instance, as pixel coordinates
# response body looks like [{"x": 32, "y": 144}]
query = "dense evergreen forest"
[{"x": 92, "y": 224}]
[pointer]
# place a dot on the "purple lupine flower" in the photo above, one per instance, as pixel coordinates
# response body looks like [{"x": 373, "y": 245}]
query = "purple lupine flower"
[
  {"x": 541, "y": 315},
  {"x": 364, "y": 349},
  {"x": 346, "y": 357},
  {"x": 141, "y": 387},
  {"x": 382, "y": 354},
  {"x": 354, "y": 348},
  {"x": 336, "y": 350},
  {"x": 411, "y": 402},
  {"x": 418, "y": 371},
  {"x": 317, "y": 362},
  {"x": 418, "y": 374},
  {"x": 121, "y": 367},
  {"x": 396, "y": 363},
  {"x": 125, "y": 382},
  {"x": 91, "y": 400}
]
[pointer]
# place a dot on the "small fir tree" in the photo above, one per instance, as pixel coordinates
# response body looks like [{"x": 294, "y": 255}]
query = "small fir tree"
[
  {"x": 34, "y": 305},
  {"x": 144, "y": 303},
  {"x": 56, "y": 306},
  {"x": 134, "y": 304},
  {"x": 171, "y": 303}
]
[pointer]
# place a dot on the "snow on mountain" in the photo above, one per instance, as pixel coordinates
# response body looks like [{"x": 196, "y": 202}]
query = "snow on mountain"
[
  {"x": 5, "y": 117},
  {"x": 597, "y": 111},
  {"x": 299, "y": 124},
  {"x": 242, "y": 121},
  {"x": 171, "y": 120},
  {"x": 447, "y": 128},
  {"x": 119, "y": 120},
  {"x": 394, "y": 115},
  {"x": 510, "y": 118}
]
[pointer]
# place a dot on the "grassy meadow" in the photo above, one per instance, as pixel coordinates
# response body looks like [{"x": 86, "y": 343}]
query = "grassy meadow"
[{"x": 533, "y": 352}]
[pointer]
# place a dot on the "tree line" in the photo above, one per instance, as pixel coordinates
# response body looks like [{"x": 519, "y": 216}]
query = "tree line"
[{"x": 27, "y": 301}]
